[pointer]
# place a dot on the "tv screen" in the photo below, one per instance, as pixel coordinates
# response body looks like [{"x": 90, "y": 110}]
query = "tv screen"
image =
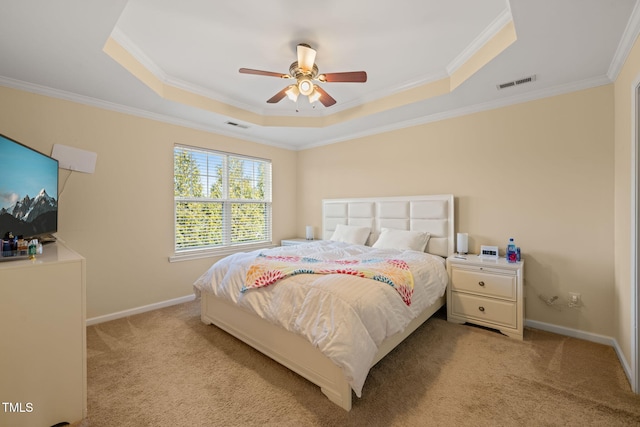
[{"x": 28, "y": 191}]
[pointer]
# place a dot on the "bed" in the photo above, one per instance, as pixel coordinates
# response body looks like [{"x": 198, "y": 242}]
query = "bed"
[{"x": 279, "y": 318}]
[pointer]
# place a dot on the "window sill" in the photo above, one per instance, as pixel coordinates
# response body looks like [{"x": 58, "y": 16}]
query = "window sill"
[{"x": 219, "y": 252}]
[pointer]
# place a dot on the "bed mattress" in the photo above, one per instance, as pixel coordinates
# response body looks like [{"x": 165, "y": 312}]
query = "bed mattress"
[{"x": 346, "y": 317}]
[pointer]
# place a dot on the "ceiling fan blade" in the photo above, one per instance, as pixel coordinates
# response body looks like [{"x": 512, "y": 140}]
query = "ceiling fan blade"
[
  {"x": 348, "y": 77},
  {"x": 306, "y": 57},
  {"x": 263, "y": 73},
  {"x": 278, "y": 96},
  {"x": 325, "y": 98}
]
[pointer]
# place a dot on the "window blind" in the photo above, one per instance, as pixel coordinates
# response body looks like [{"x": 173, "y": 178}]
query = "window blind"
[{"x": 221, "y": 199}]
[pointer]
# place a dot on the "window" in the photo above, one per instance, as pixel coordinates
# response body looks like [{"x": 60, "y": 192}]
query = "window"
[{"x": 222, "y": 201}]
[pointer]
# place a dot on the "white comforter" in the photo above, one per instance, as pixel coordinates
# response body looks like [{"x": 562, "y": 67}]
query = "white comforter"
[{"x": 345, "y": 317}]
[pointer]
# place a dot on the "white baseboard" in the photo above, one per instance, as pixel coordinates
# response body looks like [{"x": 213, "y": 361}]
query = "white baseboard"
[
  {"x": 625, "y": 365},
  {"x": 600, "y": 339},
  {"x": 570, "y": 332},
  {"x": 138, "y": 310}
]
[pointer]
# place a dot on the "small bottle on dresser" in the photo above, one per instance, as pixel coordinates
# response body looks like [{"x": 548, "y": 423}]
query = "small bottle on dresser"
[{"x": 512, "y": 251}]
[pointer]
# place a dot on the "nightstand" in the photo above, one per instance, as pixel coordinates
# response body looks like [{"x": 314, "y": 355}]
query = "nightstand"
[
  {"x": 486, "y": 292},
  {"x": 296, "y": 241}
]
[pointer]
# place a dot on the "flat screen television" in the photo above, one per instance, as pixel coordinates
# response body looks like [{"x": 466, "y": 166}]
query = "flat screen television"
[{"x": 28, "y": 191}]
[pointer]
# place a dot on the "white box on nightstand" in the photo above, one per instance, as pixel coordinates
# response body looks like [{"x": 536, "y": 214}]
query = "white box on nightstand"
[{"x": 295, "y": 241}]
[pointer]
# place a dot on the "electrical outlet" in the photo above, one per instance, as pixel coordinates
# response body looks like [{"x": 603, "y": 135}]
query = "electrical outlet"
[{"x": 574, "y": 298}]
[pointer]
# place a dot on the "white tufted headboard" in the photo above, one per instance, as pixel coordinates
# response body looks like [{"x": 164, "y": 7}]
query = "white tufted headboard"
[{"x": 433, "y": 214}]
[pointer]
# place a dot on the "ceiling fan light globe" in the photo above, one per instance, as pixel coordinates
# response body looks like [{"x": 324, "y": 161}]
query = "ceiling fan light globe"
[
  {"x": 305, "y": 86},
  {"x": 315, "y": 95},
  {"x": 293, "y": 93}
]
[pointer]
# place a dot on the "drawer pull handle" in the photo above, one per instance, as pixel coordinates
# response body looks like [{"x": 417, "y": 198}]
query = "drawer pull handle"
[
  {"x": 481, "y": 283},
  {"x": 481, "y": 308}
]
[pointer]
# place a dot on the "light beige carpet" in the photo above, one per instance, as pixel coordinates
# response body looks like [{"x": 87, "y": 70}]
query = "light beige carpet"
[{"x": 167, "y": 368}]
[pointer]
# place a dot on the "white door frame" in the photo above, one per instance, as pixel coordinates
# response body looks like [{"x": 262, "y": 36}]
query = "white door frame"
[{"x": 635, "y": 239}]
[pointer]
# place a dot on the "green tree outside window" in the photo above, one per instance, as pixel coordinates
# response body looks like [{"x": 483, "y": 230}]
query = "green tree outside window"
[{"x": 221, "y": 199}]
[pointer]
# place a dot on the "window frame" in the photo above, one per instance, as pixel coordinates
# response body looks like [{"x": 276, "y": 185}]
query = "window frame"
[{"x": 227, "y": 247}]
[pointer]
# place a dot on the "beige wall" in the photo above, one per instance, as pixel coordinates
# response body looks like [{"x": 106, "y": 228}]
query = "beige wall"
[
  {"x": 121, "y": 217},
  {"x": 623, "y": 217},
  {"x": 541, "y": 172}
]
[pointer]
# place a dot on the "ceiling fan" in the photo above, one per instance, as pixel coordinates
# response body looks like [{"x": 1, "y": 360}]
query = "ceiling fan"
[{"x": 305, "y": 71}]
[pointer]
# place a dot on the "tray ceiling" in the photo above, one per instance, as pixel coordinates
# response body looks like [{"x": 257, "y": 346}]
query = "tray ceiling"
[{"x": 425, "y": 60}]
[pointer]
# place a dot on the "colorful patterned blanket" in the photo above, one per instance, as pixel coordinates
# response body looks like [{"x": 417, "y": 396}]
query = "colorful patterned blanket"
[{"x": 266, "y": 270}]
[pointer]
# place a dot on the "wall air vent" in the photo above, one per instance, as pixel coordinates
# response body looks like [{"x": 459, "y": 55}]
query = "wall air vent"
[
  {"x": 517, "y": 82},
  {"x": 237, "y": 125}
]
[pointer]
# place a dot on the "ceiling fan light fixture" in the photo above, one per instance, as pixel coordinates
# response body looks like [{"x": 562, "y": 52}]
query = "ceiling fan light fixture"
[
  {"x": 315, "y": 95},
  {"x": 306, "y": 57},
  {"x": 293, "y": 93},
  {"x": 305, "y": 72},
  {"x": 305, "y": 86}
]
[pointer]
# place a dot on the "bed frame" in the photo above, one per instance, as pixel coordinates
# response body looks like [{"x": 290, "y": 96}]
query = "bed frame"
[{"x": 434, "y": 214}]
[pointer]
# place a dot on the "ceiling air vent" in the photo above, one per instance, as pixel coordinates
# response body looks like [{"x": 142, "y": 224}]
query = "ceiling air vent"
[
  {"x": 238, "y": 125},
  {"x": 516, "y": 82}
]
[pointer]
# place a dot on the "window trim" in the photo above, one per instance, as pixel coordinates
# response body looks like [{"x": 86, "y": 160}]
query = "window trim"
[
  {"x": 228, "y": 249},
  {"x": 191, "y": 254}
]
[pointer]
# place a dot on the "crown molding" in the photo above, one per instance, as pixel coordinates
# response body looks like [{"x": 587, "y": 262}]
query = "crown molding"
[
  {"x": 137, "y": 112},
  {"x": 123, "y": 40},
  {"x": 459, "y": 112},
  {"x": 482, "y": 39},
  {"x": 628, "y": 39},
  {"x": 492, "y": 30},
  {"x": 486, "y": 106}
]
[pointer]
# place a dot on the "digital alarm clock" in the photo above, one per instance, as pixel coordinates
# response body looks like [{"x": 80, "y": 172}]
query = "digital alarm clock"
[{"x": 490, "y": 252}]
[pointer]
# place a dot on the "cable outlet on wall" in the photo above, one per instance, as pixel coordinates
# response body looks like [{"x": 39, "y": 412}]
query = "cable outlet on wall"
[{"x": 574, "y": 299}]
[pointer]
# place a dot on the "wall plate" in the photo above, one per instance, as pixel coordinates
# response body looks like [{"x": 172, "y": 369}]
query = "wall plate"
[{"x": 490, "y": 252}]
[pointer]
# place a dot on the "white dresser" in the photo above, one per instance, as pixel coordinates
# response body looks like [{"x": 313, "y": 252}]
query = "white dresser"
[
  {"x": 43, "y": 378},
  {"x": 486, "y": 292}
]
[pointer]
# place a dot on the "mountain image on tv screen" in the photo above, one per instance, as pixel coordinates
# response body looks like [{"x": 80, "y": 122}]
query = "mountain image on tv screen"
[{"x": 28, "y": 191}]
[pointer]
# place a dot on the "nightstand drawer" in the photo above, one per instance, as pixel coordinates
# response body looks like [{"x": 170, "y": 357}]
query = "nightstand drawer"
[
  {"x": 490, "y": 284},
  {"x": 501, "y": 313}
]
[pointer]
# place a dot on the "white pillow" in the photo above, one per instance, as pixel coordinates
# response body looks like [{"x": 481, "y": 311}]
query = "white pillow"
[
  {"x": 351, "y": 234},
  {"x": 402, "y": 239}
]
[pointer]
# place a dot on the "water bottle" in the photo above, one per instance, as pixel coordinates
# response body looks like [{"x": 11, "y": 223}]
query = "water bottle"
[
  {"x": 512, "y": 251},
  {"x": 32, "y": 249}
]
